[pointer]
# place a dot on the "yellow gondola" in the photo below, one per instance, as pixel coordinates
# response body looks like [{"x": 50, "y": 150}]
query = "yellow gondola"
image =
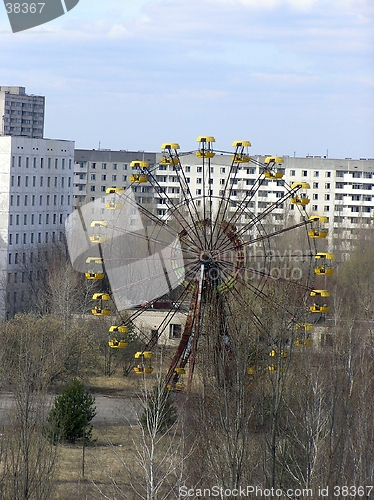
[
  {"x": 101, "y": 296},
  {"x": 117, "y": 344},
  {"x": 114, "y": 190},
  {"x": 142, "y": 367},
  {"x": 320, "y": 293},
  {"x": 315, "y": 308},
  {"x": 120, "y": 329},
  {"x": 169, "y": 153},
  {"x": 113, "y": 204},
  {"x": 282, "y": 353},
  {"x": 273, "y": 172},
  {"x": 205, "y": 146},
  {"x": 304, "y": 340},
  {"x": 317, "y": 230},
  {"x": 99, "y": 223},
  {"x": 93, "y": 273},
  {"x": 325, "y": 267},
  {"x": 97, "y": 238},
  {"x": 300, "y": 197},
  {"x": 241, "y": 155},
  {"x": 301, "y": 342},
  {"x": 139, "y": 176},
  {"x": 99, "y": 311}
]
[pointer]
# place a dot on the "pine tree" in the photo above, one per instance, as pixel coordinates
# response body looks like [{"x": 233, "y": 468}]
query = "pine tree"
[{"x": 71, "y": 414}]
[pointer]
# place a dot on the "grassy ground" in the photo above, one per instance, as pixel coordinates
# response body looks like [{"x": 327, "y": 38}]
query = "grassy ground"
[
  {"x": 104, "y": 457},
  {"x": 102, "y": 461}
]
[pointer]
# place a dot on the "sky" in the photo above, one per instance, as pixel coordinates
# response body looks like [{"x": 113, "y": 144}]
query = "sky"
[{"x": 294, "y": 77}]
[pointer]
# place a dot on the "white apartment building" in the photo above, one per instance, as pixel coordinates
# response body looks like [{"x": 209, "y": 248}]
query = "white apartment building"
[
  {"x": 98, "y": 169},
  {"x": 340, "y": 189},
  {"x": 36, "y": 188},
  {"x": 21, "y": 114}
]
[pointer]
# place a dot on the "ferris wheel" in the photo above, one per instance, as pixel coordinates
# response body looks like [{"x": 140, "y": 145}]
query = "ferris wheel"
[{"x": 231, "y": 235}]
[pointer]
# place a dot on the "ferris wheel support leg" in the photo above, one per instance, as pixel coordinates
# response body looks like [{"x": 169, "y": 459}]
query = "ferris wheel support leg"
[{"x": 196, "y": 329}]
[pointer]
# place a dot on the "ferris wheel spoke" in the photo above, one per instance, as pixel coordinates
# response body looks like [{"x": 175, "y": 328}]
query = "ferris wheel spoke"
[{"x": 173, "y": 209}]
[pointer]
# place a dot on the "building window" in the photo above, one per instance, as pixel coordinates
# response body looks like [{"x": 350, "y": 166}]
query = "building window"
[
  {"x": 316, "y": 173},
  {"x": 304, "y": 173},
  {"x": 315, "y": 208},
  {"x": 114, "y": 166},
  {"x": 327, "y": 174},
  {"x": 327, "y": 185},
  {"x": 315, "y": 196},
  {"x": 93, "y": 188},
  {"x": 327, "y": 208},
  {"x": 315, "y": 185},
  {"x": 327, "y": 197},
  {"x": 93, "y": 165},
  {"x": 93, "y": 177},
  {"x": 103, "y": 166},
  {"x": 56, "y": 163},
  {"x": 175, "y": 331},
  {"x": 114, "y": 178}
]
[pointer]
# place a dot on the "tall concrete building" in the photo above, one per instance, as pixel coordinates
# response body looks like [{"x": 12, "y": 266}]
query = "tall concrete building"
[
  {"x": 98, "y": 169},
  {"x": 21, "y": 114},
  {"x": 36, "y": 188},
  {"x": 342, "y": 190}
]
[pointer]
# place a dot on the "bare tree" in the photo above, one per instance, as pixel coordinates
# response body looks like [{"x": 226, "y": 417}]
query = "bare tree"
[
  {"x": 156, "y": 467},
  {"x": 29, "y": 460}
]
